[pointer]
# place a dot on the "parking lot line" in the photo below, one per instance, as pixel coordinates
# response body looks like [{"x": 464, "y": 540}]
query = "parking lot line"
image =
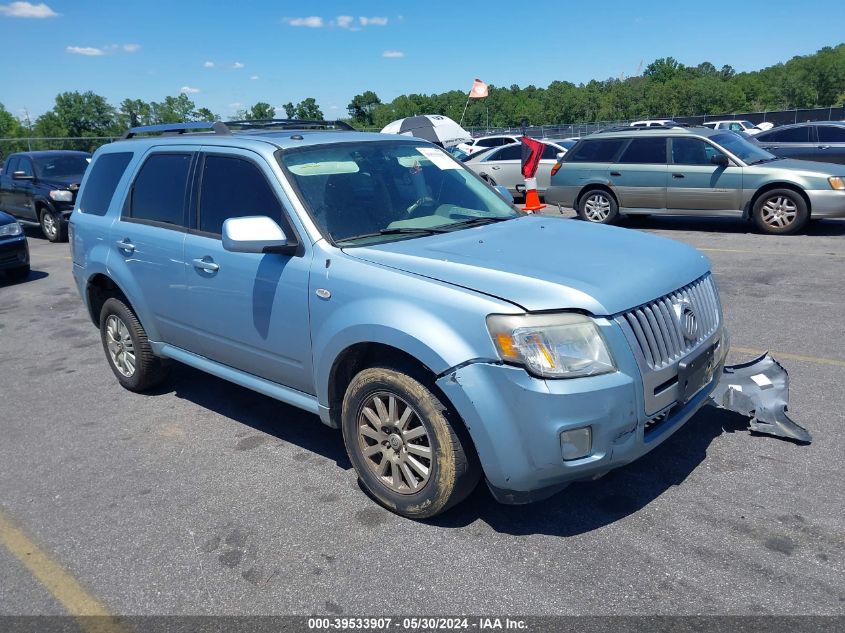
[
  {"x": 61, "y": 585},
  {"x": 755, "y": 252},
  {"x": 807, "y": 359}
]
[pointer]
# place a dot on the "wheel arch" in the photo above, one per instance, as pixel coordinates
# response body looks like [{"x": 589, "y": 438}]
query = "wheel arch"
[
  {"x": 781, "y": 184},
  {"x": 596, "y": 185}
]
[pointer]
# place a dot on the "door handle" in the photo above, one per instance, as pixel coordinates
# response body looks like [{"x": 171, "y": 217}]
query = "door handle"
[
  {"x": 615, "y": 173},
  {"x": 206, "y": 264},
  {"x": 677, "y": 175},
  {"x": 824, "y": 146},
  {"x": 495, "y": 167},
  {"x": 126, "y": 245}
]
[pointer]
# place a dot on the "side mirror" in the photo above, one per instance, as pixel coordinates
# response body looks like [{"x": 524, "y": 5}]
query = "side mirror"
[
  {"x": 20, "y": 175},
  {"x": 720, "y": 159},
  {"x": 503, "y": 191},
  {"x": 253, "y": 234}
]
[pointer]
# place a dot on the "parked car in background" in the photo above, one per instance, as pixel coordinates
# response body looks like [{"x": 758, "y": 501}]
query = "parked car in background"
[
  {"x": 503, "y": 166},
  {"x": 820, "y": 140},
  {"x": 486, "y": 142},
  {"x": 40, "y": 188},
  {"x": 14, "y": 250},
  {"x": 566, "y": 143},
  {"x": 694, "y": 171},
  {"x": 734, "y": 126},
  {"x": 653, "y": 123},
  {"x": 375, "y": 281}
]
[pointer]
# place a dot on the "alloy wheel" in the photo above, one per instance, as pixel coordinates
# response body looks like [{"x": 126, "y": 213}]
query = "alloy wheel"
[
  {"x": 120, "y": 346},
  {"x": 395, "y": 443},
  {"x": 597, "y": 208},
  {"x": 48, "y": 224},
  {"x": 778, "y": 212}
]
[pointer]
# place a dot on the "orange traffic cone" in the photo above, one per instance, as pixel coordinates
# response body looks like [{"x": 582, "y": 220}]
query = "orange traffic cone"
[{"x": 532, "y": 200}]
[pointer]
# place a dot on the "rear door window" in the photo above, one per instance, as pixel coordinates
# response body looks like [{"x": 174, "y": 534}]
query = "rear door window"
[
  {"x": 159, "y": 191},
  {"x": 512, "y": 152},
  {"x": 645, "y": 151},
  {"x": 232, "y": 187},
  {"x": 789, "y": 135},
  {"x": 596, "y": 151},
  {"x": 106, "y": 172},
  {"x": 831, "y": 133}
]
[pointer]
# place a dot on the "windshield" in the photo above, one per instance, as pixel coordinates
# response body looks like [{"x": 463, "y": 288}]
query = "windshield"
[
  {"x": 370, "y": 192},
  {"x": 61, "y": 166},
  {"x": 745, "y": 150}
]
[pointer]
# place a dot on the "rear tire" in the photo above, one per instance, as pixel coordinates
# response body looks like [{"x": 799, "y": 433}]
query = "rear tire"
[
  {"x": 52, "y": 226},
  {"x": 402, "y": 445},
  {"x": 780, "y": 212},
  {"x": 128, "y": 349},
  {"x": 598, "y": 206}
]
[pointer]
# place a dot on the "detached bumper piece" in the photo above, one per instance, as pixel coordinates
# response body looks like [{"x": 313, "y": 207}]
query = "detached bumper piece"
[{"x": 759, "y": 389}]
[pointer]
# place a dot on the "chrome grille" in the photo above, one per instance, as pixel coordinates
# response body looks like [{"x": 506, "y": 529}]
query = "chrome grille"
[{"x": 657, "y": 326}]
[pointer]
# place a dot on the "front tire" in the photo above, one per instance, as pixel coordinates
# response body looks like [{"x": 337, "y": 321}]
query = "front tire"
[
  {"x": 780, "y": 212},
  {"x": 128, "y": 349},
  {"x": 598, "y": 206},
  {"x": 402, "y": 445},
  {"x": 52, "y": 226}
]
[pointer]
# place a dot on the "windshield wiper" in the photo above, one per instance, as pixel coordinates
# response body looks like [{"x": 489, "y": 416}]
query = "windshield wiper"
[
  {"x": 399, "y": 230},
  {"x": 475, "y": 222}
]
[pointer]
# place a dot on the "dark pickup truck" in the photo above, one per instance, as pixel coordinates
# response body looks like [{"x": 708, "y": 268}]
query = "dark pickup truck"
[{"x": 40, "y": 188}]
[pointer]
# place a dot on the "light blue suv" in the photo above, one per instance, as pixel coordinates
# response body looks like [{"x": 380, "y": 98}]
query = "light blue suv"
[{"x": 376, "y": 282}]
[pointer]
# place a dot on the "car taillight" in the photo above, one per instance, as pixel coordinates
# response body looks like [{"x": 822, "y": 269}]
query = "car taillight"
[{"x": 556, "y": 168}]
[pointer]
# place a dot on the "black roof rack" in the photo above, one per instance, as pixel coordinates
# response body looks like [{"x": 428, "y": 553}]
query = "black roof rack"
[{"x": 225, "y": 129}]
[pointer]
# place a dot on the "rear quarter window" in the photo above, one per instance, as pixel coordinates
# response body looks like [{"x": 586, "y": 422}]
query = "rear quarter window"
[
  {"x": 595, "y": 151},
  {"x": 102, "y": 181}
]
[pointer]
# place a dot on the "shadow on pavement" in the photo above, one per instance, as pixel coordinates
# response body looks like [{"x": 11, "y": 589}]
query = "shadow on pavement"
[
  {"x": 581, "y": 508},
  {"x": 34, "y": 275}
]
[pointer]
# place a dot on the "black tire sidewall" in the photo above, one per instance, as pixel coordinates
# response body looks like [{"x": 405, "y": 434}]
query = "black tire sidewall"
[
  {"x": 614, "y": 207},
  {"x": 61, "y": 230},
  {"x": 437, "y": 494},
  {"x": 801, "y": 218},
  {"x": 145, "y": 374}
]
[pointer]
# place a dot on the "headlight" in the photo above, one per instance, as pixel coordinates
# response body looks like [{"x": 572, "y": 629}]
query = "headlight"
[
  {"x": 61, "y": 195},
  {"x": 563, "y": 345},
  {"x": 837, "y": 182},
  {"x": 9, "y": 230}
]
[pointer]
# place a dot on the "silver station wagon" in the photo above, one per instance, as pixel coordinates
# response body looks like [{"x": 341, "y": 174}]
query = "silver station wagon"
[{"x": 693, "y": 171}]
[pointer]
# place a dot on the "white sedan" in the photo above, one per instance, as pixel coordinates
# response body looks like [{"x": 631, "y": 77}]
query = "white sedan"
[{"x": 503, "y": 166}]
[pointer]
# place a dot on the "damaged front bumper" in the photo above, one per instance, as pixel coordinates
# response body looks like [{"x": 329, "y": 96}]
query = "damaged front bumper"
[{"x": 759, "y": 389}]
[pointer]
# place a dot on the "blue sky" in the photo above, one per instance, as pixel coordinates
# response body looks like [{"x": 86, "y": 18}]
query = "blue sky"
[{"x": 248, "y": 51}]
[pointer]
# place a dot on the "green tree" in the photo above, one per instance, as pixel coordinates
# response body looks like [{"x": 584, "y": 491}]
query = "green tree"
[
  {"x": 174, "y": 110},
  {"x": 134, "y": 112},
  {"x": 307, "y": 109},
  {"x": 204, "y": 114},
  {"x": 84, "y": 114},
  {"x": 362, "y": 108},
  {"x": 663, "y": 69},
  {"x": 260, "y": 111}
]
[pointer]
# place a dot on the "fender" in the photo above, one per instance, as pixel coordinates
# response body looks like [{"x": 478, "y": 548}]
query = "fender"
[{"x": 123, "y": 280}]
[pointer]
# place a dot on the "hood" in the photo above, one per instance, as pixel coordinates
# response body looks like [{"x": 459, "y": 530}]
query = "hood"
[
  {"x": 543, "y": 263},
  {"x": 61, "y": 182},
  {"x": 809, "y": 167}
]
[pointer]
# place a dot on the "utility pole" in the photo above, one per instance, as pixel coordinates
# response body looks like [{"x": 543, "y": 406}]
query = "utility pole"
[{"x": 28, "y": 129}]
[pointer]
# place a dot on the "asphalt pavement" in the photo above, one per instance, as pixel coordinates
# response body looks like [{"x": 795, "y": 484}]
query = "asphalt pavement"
[{"x": 206, "y": 498}]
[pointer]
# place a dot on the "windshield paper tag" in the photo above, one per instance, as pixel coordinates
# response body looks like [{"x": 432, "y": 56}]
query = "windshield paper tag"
[{"x": 437, "y": 157}]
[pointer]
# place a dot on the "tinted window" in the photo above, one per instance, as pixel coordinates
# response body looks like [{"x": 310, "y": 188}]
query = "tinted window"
[
  {"x": 691, "y": 151},
  {"x": 595, "y": 151},
  {"x": 12, "y": 165},
  {"x": 231, "y": 188},
  {"x": 159, "y": 190},
  {"x": 512, "y": 152},
  {"x": 831, "y": 134},
  {"x": 489, "y": 142},
  {"x": 645, "y": 150},
  {"x": 550, "y": 152},
  {"x": 25, "y": 165},
  {"x": 106, "y": 172},
  {"x": 62, "y": 165},
  {"x": 789, "y": 135}
]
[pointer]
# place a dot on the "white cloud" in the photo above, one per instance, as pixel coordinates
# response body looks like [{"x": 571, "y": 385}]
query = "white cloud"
[
  {"x": 237, "y": 65},
  {"x": 376, "y": 21},
  {"x": 312, "y": 21},
  {"x": 131, "y": 48},
  {"x": 344, "y": 21},
  {"x": 208, "y": 65},
  {"x": 27, "y": 10},
  {"x": 254, "y": 77},
  {"x": 89, "y": 51},
  {"x": 236, "y": 105},
  {"x": 393, "y": 54},
  {"x": 188, "y": 90}
]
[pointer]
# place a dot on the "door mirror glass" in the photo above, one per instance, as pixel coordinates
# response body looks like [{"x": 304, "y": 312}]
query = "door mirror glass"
[
  {"x": 720, "y": 159},
  {"x": 253, "y": 234},
  {"x": 21, "y": 175}
]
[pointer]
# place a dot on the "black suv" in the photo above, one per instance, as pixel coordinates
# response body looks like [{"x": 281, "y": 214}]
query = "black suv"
[{"x": 40, "y": 188}]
